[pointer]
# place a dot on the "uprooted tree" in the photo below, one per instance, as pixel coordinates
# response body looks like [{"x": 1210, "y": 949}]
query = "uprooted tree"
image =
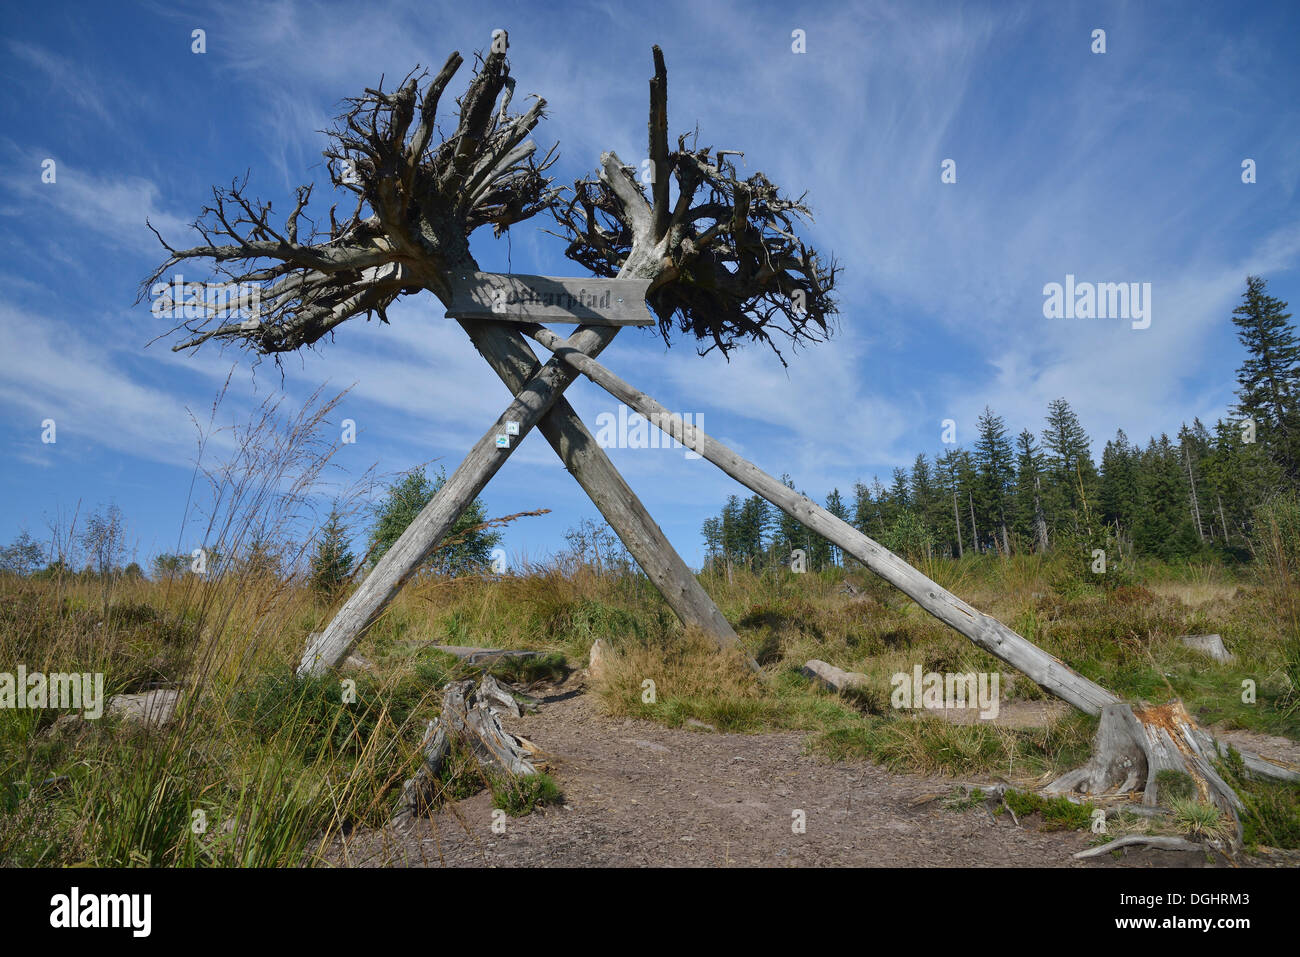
[{"x": 719, "y": 257}]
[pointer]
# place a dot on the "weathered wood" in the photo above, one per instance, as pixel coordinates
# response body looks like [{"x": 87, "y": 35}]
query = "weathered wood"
[
  {"x": 1256, "y": 765},
  {"x": 418, "y": 791},
  {"x": 523, "y": 298},
  {"x": 597, "y": 661},
  {"x": 477, "y": 656},
  {"x": 467, "y": 718},
  {"x": 470, "y": 717},
  {"x": 1045, "y": 670},
  {"x": 1135, "y": 745},
  {"x": 510, "y": 357},
  {"x": 988, "y": 633},
  {"x": 497, "y": 697},
  {"x": 435, "y": 520},
  {"x": 1117, "y": 761},
  {"x": 1211, "y": 645},
  {"x": 836, "y": 679},
  {"x": 1164, "y": 842}
]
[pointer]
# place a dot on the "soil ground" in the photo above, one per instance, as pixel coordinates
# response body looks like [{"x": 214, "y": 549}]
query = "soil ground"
[{"x": 639, "y": 794}]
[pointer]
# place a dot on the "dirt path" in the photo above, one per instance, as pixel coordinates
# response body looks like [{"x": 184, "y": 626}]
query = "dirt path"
[{"x": 639, "y": 794}]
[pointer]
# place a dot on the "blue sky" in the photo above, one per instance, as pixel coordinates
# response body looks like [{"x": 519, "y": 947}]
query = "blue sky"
[{"x": 1115, "y": 167}]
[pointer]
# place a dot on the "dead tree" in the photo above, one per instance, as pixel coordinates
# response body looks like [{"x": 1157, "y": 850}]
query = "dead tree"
[
  {"x": 414, "y": 203},
  {"x": 722, "y": 261}
]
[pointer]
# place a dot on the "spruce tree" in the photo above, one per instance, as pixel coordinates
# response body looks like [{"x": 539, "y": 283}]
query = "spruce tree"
[
  {"x": 404, "y": 500},
  {"x": 995, "y": 473},
  {"x": 332, "y": 560},
  {"x": 1028, "y": 519},
  {"x": 1269, "y": 378},
  {"x": 1163, "y": 527},
  {"x": 835, "y": 505},
  {"x": 1120, "y": 498},
  {"x": 1073, "y": 476}
]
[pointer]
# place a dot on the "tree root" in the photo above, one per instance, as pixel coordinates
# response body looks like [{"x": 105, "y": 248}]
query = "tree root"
[
  {"x": 469, "y": 716},
  {"x": 1134, "y": 745},
  {"x": 1153, "y": 840}
]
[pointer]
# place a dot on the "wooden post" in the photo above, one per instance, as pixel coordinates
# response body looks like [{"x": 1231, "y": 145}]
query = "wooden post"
[
  {"x": 988, "y": 633},
  {"x": 975, "y": 535},
  {"x": 510, "y": 357},
  {"x": 440, "y": 514},
  {"x": 956, "y": 518}
]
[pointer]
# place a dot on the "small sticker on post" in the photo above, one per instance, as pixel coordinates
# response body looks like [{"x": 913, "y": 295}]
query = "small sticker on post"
[
  {"x": 503, "y": 441},
  {"x": 512, "y": 428}
]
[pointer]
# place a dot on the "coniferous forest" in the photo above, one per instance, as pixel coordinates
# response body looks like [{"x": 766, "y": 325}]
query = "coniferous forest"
[{"x": 1186, "y": 496}]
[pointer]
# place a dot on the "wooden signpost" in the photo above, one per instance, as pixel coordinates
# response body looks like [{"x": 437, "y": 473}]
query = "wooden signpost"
[{"x": 524, "y": 298}]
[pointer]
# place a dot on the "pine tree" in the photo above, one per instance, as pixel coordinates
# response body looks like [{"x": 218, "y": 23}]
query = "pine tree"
[
  {"x": 1269, "y": 378},
  {"x": 711, "y": 530},
  {"x": 948, "y": 528},
  {"x": 1120, "y": 496},
  {"x": 754, "y": 519},
  {"x": 332, "y": 560},
  {"x": 1072, "y": 474},
  {"x": 967, "y": 480},
  {"x": 995, "y": 473},
  {"x": 731, "y": 531},
  {"x": 835, "y": 505},
  {"x": 1193, "y": 448},
  {"x": 404, "y": 500},
  {"x": 1028, "y": 520},
  {"x": 789, "y": 533},
  {"x": 927, "y": 497},
  {"x": 864, "y": 509},
  {"x": 1163, "y": 528}
]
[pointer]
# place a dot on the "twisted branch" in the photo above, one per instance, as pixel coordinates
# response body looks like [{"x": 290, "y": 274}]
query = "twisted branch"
[{"x": 415, "y": 206}]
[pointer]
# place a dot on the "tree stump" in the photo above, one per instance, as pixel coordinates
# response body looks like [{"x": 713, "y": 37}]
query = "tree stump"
[
  {"x": 1134, "y": 744},
  {"x": 469, "y": 717}
]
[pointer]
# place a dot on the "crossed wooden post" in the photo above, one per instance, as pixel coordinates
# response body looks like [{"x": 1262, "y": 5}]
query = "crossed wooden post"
[
  {"x": 486, "y": 304},
  {"x": 722, "y": 259}
]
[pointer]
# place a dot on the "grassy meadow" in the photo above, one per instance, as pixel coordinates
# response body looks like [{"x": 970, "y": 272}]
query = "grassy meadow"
[{"x": 260, "y": 768}]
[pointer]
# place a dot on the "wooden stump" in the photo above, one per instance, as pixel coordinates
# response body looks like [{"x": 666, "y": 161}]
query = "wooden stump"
[
  {"x": 835, "y": 679},
  {"x": 1133, "y": 745},
  {"x": 469, "y": 717}
]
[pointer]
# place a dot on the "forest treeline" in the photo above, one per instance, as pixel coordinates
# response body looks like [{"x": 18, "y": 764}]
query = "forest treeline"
[{"x": 1193, "y": 495}]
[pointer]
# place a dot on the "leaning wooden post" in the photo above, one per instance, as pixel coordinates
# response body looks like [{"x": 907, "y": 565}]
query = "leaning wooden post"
[
  {"x": 440, "y": 514},
  {"x": 1128, "y": 740},
  {"x": 511, "y": 358},
  {"x": 988, "y": 633}
]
